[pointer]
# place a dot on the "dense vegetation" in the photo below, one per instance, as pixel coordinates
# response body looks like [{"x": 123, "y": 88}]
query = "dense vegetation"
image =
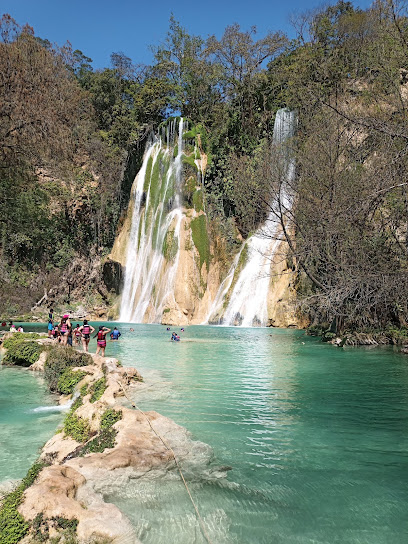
[
  {"x": 22, "y": 350},
  {"x": 345, "y": 75},
  {"x": 13, "y": 526},
  {"x": 58, "y": 369}
]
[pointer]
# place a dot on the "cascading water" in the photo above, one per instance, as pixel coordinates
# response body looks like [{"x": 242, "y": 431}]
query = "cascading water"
[
  {"x": 247, "y": 302},
  {"x": 153, "y": 249}
]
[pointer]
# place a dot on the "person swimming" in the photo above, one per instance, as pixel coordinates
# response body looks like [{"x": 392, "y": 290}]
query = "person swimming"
[
  {"x": 168, "y": 328},
  {"x": 175, "y": 337}
]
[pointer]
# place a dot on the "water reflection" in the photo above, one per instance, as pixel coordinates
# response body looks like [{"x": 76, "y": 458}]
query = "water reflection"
[{"x": 317, "y": 436}]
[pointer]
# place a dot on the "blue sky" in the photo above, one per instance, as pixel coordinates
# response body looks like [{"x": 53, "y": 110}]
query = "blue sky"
[{"x": 100, "y": 27}]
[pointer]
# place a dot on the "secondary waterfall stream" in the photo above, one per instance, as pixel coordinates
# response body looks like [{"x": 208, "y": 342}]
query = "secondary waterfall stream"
[{"x": 247, "y": 303}]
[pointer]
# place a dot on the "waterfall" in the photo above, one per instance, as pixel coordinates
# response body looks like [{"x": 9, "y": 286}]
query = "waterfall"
[
  {"x": 153, "y": 248},
  {"x": 244, "y": 291}
]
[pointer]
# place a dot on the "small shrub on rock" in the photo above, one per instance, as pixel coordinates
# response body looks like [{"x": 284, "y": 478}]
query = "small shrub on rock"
[
  {"x": 13, "y": 526},
  {"x": 110, "y": 417},
  {"x": 59, "y": 358},
  {"x": 107, "y": 435},
  {"x": 76, "y": 427},
  {"x": 98, "y": 389},
  {"x": 69, "y": 379},
  {"x": 22, "y": 353}
]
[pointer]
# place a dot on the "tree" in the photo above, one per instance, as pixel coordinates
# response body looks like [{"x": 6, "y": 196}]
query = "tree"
[{"x": 40, "y": 102}]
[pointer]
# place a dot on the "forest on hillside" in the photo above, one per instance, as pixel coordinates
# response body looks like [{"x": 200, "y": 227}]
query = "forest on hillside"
[{"x": 72, "y": 138}]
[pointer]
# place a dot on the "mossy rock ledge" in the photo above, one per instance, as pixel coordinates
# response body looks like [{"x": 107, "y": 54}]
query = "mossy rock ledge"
[{"x": 102, "y": 444}]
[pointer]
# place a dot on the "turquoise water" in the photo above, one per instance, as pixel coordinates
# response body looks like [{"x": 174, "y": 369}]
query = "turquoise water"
[
  {"x": 28, "y": 418},
  {"x": 317, "y": 437}
]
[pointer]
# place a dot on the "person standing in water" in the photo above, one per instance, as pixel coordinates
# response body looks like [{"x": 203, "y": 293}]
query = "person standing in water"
[
  {"x": 115, "y": 334},
  {"x": 86, "y": 330},
  {"x": 101, "y": 340},
  {"x": 77, "y": 334},
  {"x": 64, "y": 330}
]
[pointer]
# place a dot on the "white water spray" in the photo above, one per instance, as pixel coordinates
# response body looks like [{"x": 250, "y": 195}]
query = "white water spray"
[
  {"x": 153, "y": 249},
  {"x": 247, "y": 305}
]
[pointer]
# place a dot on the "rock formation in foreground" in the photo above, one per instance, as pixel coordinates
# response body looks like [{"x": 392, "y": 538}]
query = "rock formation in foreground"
[{"x": 102, "y": 443}]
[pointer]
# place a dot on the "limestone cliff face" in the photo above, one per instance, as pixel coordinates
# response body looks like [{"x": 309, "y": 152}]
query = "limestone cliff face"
[
  {"x": 199, "y": 276},
  {"x": 282, "y": 310}
]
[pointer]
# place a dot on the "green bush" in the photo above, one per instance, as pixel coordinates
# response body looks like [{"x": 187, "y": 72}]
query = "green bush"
[
  {"x": 97, "y": 389},
  {"x": 110, "y": 417},
  {"x": 18, "y": 338},
  {"x": 22, "y": 353},
  {"x": 13, "y": 526},
  {"x": 328, "y": 336},
  {"x": 59, "y": 358},
  {"x": 76, "y": 427},
  {"x": 105, "y": 439},
  {"x": 107, "y": 435},
  {"x": 316, "y": 330},
  {"x": 69, "y": 379}
]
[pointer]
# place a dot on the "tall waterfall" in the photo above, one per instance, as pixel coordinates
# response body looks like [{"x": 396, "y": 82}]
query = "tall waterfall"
[
  {"x": 246, "y": 286},
  {"x": 153, "y": 248}
]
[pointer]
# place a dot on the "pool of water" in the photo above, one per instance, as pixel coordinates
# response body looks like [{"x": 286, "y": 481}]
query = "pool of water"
[
  {"x": 317, "y": 437},
  {"x": 28, "y": 418}
]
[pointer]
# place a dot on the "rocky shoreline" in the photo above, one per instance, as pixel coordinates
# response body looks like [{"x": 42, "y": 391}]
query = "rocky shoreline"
[{"x": 102, "y": 442}]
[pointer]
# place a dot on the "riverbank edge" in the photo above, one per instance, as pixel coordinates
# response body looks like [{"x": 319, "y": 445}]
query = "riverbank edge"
[
  {"x": 381, "y": 337},
  {"x": 66, "y": 493}
]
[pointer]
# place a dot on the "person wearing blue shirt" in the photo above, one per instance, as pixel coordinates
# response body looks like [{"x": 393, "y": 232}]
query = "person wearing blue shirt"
[
  {"x": 115, "y": 334},
  {"x": 50, "y": 327}
]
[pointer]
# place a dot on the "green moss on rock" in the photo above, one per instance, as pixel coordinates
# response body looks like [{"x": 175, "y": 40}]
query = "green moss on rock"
[
  {"x": 23, "y": 353},
  {"x": 69, "y": 379},
  {"x": 200, "y": 238},
  {"x": 170, "y": 245},
  {"x": 148, "y": 174},
  {"x": 97, "y": 389},
  {"x": 13, "y": 526},
  {"x": 77, "y": 427},
  {"x": 198, "y": 200},
  {"x": 189, "y": 159}
]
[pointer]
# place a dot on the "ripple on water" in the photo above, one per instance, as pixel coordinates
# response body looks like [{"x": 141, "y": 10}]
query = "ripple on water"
[{"x": 317, "y": 437}]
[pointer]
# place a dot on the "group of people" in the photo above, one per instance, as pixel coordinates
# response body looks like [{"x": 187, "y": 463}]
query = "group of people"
[
  {"x": 13, "y": 327},
  {"x": 174, "y": 336},
  {"x": 67, "y": 335}
]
